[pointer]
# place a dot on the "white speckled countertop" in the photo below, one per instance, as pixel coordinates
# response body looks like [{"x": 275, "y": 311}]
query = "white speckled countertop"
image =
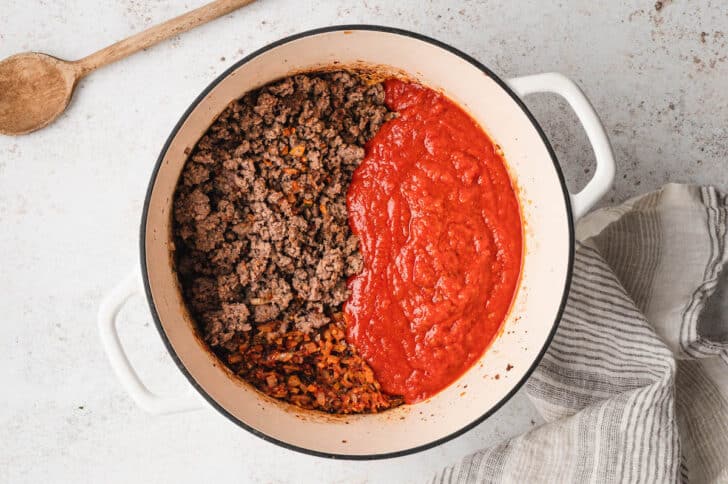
[{"x": 71, "y": 196}]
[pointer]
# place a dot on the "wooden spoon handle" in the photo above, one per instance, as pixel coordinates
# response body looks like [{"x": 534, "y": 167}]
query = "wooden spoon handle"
[{"x": 156, "y": 34}]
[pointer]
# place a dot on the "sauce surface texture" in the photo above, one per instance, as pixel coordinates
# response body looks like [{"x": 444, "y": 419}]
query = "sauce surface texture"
[{"x": 440, "y": 234}]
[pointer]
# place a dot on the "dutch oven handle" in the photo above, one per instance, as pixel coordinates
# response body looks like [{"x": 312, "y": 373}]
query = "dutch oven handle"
[
  {"x": 148, "y": 401},
  {"x": 603, "y": 178}
]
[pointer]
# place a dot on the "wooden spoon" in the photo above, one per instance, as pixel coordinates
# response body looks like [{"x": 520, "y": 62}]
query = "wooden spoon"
[{"x": 36, "y": 88}]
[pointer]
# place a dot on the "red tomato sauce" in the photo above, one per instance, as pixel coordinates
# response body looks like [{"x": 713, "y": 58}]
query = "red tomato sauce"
[{"x": 440, "y": 234}]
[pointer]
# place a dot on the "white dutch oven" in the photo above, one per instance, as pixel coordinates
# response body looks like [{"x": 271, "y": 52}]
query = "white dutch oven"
[{"x": 548, "y": 211}]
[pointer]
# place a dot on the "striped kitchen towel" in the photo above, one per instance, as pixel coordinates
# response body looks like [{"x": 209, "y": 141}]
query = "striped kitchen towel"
[{"x": 634, "y": 387}]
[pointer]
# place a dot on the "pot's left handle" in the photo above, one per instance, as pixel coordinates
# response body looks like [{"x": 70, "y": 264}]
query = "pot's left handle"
[
  {"x": 148, "y": 401},
  {"x": 603, "y": 177}
]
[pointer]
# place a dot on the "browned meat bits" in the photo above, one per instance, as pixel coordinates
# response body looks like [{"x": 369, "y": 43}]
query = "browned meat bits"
[{"x": 263, "y": 246}]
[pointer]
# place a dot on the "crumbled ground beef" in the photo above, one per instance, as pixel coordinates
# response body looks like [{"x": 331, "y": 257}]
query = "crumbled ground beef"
[{"x": 263, "y": 246}]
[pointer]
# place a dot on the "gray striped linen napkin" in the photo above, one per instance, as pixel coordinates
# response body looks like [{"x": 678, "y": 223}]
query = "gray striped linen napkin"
[{"x": 634, "y": 387}]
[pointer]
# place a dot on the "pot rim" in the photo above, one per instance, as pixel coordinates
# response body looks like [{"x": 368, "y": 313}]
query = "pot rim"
[{"x": 203, "y": 94}]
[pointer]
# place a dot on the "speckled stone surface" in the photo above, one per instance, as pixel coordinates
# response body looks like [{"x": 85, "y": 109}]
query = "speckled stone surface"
[{"x": 71, "y": 197}]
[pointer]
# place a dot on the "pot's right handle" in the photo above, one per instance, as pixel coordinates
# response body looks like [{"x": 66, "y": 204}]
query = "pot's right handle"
[
  {"x": 603, "y": 177},
  {"x": 152, "y": 403}
]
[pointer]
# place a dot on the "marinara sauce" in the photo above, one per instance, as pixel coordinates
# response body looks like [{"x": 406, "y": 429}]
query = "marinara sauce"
[{"x": 440, "y": 234}]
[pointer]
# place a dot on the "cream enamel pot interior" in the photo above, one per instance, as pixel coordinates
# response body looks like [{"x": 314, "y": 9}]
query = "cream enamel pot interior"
[{"x": 548, "y": 213}]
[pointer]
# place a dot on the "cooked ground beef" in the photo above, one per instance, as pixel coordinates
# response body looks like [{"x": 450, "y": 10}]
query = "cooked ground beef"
[{"x": 263, "y": 246}]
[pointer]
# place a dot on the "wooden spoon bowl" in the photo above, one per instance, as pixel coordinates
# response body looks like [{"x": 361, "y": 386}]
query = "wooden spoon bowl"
[{"x": 34, "y": 90}]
